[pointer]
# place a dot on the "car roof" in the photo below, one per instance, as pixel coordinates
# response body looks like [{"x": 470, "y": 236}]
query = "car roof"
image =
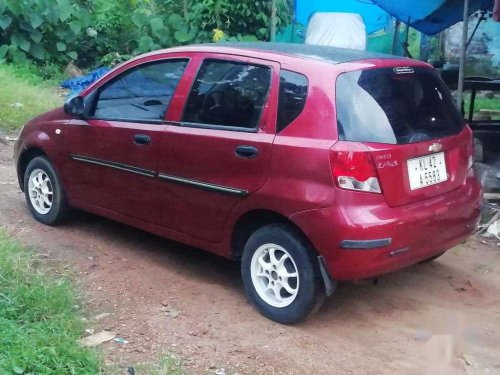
[{"x": 303, "y": 51}]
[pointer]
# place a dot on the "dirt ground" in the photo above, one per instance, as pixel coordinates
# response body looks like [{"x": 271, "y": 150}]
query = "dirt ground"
[{"x": 449, "y": 309}]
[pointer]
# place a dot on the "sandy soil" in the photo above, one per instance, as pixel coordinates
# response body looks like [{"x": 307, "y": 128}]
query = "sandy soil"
[{"x": 449, "y": 309}]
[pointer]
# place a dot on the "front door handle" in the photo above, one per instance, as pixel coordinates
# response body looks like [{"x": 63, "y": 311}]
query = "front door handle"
[
  {"x": 246, "y": 152},
  {"x": 142, "y": 139}
]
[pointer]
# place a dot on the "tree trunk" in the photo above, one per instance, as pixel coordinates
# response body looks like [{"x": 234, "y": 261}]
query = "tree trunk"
[
  {"x": 273, "y": 20},
  {"x": 185, "y": 10}
]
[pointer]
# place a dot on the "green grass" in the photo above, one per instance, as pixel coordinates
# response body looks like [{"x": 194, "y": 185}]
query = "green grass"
[
  {"x": 36, "y": 75},
  {"x": 39, "y": 322},
  {"x": 482, "y": 103},
  {"x": 22, "y": 84},
  {"x": 167, "y": 365}
]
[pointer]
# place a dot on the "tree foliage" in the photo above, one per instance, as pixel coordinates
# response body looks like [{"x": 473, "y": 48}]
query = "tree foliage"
[
  {"x": 243, "y": 18},
  {"x": 94, "y": 31},
  {"x": 41, "y": 29}
]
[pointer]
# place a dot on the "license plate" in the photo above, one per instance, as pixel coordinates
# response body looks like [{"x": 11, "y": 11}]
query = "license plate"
[{"x": 427, "y": 170}]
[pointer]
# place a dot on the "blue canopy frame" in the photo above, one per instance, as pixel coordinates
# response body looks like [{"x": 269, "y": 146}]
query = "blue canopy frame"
[
  {"x": 431, "y": 16},
  {"x": 427, "y": 16}
]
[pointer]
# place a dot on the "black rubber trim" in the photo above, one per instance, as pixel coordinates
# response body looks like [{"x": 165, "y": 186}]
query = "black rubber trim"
[
  {"x": 203, "y": 185},
  {"x": 130, "y": 120},
  {"x": 114, "y": 165},
  {"x": 214, "y": 127},
  {"x": 365, "y": 244}
]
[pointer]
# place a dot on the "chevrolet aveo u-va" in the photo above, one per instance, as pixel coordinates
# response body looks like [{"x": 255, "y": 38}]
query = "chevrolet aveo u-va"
[{"x": 310, "y": 165}]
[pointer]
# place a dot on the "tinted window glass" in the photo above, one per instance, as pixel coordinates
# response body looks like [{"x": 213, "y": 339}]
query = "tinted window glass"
[
  {"x": 143, "y": 93},
  {"x": 380, "y": 105},
  {"x": 228, "y": 94},
  {"x": 292, "y": 98}
]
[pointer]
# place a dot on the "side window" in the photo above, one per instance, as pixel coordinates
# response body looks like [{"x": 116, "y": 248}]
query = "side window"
[
  {"x": 292, "y": 98},
  {"x": 141, "y": 93},
  {"x": 228, "y": 94}
]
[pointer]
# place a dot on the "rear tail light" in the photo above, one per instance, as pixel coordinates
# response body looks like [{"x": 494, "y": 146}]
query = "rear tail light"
[{"x": 353, "y": 167}]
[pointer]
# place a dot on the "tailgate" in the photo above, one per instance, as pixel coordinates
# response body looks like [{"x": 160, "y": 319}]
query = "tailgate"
[
  {"x": 413, "y": 172},
  {"x": 408, "y": 119}
]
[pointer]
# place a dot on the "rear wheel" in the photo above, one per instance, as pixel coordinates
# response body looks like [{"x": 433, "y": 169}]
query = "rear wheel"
[
  {"x": 44, "y": 193},
  {"x": 281, "y": 274}
]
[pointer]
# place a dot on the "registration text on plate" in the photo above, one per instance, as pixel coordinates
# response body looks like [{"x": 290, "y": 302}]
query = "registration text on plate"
[{"x": 427, "y": 170}]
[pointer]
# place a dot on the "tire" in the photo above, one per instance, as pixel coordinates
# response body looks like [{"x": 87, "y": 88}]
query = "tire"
[
  {"x": 433, "y": 258},
  {"x": 304, "y": 293},
  {"x": 44, "y": 193}
]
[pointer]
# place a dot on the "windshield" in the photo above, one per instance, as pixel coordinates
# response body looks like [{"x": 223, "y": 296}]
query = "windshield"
[{"x": 394, "y": 105}]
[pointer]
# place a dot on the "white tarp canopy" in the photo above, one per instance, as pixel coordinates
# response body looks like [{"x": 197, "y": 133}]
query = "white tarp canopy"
[{"x": 343, "y": 30}]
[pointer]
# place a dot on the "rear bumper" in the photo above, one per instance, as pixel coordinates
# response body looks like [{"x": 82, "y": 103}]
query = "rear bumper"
[{"x": 416, "y": 231}]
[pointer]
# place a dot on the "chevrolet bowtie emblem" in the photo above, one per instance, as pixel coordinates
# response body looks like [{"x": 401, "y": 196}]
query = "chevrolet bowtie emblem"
[{"x": 435, "y": 147}]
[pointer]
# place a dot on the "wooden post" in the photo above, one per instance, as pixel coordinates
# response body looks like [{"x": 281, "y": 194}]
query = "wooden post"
[
  {"x": 463, "y": 52},
  {"x": 273, "y": 21}
]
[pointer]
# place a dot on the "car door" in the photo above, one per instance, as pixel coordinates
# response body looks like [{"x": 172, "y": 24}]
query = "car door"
[
  {"x": 216, "y": 149},
  {"x": 113, "y": 154}
]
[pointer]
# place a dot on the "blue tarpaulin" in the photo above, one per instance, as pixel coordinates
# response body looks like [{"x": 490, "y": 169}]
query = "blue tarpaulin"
[
  {"x": 373, "y": 17},
  {"x": 78, "y": 84},
  {"x": 427, "y": 16},
  {"x": 431, "y": 16}
]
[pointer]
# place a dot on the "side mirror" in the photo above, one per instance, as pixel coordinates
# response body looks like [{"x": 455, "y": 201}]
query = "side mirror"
[{"x": 75, "y": 106}]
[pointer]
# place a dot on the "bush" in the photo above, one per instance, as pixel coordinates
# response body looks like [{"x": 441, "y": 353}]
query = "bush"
[
  {"x": 241, "y": 19},
  {"x": 165, "y": 23},
  {"x": 86, "y": 31},
  {"x": 41, "y": 30}
]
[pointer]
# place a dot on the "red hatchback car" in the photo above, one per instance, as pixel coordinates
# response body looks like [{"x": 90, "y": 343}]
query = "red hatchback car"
[{"x": 309, "y": 164}]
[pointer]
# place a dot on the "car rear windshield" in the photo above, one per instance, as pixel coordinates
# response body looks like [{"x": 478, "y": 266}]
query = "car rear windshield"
[{"x": 394, "y": 105}]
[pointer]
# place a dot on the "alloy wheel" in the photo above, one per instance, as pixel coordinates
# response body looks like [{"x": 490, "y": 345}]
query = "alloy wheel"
[
  {"x": 40, "y": 191},
  {"x": 274, "y": 275}
]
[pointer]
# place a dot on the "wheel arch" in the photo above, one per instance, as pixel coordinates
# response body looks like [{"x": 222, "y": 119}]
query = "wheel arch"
[
  {"x": 252, "y": 220},
  {"x": 24, "y": 159}
]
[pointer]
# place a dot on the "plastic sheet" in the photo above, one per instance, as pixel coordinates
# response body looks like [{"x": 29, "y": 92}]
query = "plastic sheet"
[
  {"x": 78, "y": 84},
  {"x": 343, "y": 30}
]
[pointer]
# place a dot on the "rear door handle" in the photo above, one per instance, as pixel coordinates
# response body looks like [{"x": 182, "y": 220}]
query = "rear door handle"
[
  {"x": 246, "y": 152},
  {"x": 142, "y": 139}
]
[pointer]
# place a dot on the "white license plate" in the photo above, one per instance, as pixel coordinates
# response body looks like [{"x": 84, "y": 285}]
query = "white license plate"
[{"x": 427, "y": 170}]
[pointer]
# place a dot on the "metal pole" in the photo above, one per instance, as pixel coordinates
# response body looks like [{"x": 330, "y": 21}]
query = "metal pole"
[
  {"x": 406, "y": 51},
  {"x": 273, "y": 20},
  {"x": 395, "y": 37},
  {"x": 441, "y": 41},
  {"x": 461, "y": 72},
  {"x": 481, "y": 18}
]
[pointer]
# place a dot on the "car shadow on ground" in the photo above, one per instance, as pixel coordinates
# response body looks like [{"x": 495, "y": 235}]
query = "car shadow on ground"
[
  {"x": 384, "y": 297},
  {"x": 136, "y": 243}
]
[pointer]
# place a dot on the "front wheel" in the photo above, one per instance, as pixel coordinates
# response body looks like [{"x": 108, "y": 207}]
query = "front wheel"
[
  {"x": 44, "y": 193},
  {"x": 281, "y": 274}
]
